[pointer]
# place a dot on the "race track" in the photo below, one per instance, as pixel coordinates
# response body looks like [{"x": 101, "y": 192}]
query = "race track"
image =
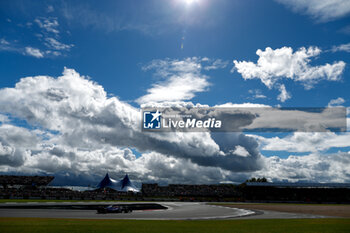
[{"x": 175, "y": 211}]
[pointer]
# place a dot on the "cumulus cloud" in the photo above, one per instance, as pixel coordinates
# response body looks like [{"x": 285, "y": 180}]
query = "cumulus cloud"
[
  {"x": 336, "y": 102},
  {"x": 310, "y": 168},
  {"x": 274, "y": 65},
  {"x": 85, "y": 132},
  {"x": 284, "y": 95},
  {"x": 239, "y": 150},
  {"x": 16, "y": 144},
  {"x": 323, "y": 11},
  {"x": 180, "y": 79},
  {"x": 77, "y": 133}
]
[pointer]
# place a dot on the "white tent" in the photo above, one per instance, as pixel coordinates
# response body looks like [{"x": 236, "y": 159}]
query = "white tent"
[{"x": 124, "y": 185}]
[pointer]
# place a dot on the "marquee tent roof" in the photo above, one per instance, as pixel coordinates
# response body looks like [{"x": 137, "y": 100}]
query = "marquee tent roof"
[{"x": 123, "y": 185}]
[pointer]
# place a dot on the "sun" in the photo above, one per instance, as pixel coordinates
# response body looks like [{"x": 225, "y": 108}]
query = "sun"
[{"x": 189, "y": 2}]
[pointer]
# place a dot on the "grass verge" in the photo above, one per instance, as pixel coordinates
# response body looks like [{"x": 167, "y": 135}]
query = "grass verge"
[{"x": 28, "y": 225}]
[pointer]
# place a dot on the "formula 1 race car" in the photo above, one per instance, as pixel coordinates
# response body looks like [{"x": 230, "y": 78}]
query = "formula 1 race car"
[{"x": 113, "y": 209}]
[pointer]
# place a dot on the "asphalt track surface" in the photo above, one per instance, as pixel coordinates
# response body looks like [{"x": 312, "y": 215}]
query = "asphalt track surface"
[{"x": 175, "y": 211}]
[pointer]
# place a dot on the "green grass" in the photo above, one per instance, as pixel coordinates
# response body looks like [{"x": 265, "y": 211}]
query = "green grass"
[{"x": 25, "y": 225}]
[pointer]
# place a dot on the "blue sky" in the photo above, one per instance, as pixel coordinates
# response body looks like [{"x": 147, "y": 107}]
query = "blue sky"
[{"x": 127, "y": 46}]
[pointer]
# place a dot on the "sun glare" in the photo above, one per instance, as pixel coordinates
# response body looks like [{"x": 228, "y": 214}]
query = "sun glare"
[{"x": 189, "y": 2}]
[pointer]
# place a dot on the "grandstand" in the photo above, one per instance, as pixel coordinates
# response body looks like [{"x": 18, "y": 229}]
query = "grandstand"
[
  {"x": 296, "y": 192},
  {"x": 254, "y": 192},
  {"x": 9, "y": 181},
  {"x": 299, "y": 185},
  {"x": 184, "y": 190},
  {"x": 36, "y": 187}
]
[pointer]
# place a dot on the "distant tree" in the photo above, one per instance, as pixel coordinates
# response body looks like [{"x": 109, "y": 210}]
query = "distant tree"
[{"x": 263, "y": 179}]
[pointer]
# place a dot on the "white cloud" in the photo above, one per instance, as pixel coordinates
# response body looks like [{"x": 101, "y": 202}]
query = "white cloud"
[
  {"x": 239, "y": 150},
  {"x": 29, "y": 51},
  {"x": 176, "y": 88},
  {"x": 4, "y": 42},
  {"x": 323, "y": 11},
  {"x": 310, "y": 168},
  {"x": 244, "y": 105},
  {"x": 335, "y": 102},
  {"x": 16, "y": 144},
  {"x": 297, "y": 119},
  {"x": 50, "y": 9},
  {"x": 85, "y": 132},
  {"x": 284, "y": 95},
  {"x": 33, "y": 52},
  {"x": 7, "y": 46},
  {"x": 53, "y": 53},
  {"x": 342, "y": 47},
  {"x": 305, "y": 142},
  {"x": 49, "y": 36},
  {"x": 54, "y": 44},
  {"x": 214, "y": 64},
  {"x": 51, "y": 46},
  {"x": 168, "y": 67},
  {"x": 180, "y": 79},
  {"x": 4, "y": 118},
  {"x": 49, "y": 24},
  {"x": 274, "y": 65},
  {"x": 257, "y": 94},
  {"x": 345, "y": 30}
]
